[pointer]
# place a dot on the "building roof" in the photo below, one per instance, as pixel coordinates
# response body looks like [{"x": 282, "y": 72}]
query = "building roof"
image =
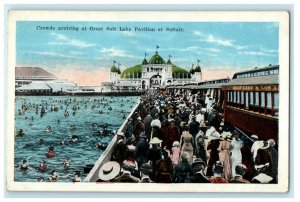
[
  {"x": 156, "y": 59},
  {"x": 145, "y": 62},
  {"x": 259, "y": 80},
  {"x": 256, "y": 70},
  {"x": 133, "y": 72},
  {"x": 33, "y": 73},
  {"x": 197, "y": 68},
  {"x": 115, "y": 69}
]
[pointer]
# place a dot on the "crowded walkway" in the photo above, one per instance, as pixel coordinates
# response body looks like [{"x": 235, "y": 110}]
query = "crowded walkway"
[{"x": 181, "y": 138}]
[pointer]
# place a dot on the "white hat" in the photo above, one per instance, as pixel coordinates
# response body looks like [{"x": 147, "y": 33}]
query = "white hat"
[
  {"x": 155, "y": 140},
  {"x": 176, "y": 144},
  {"x": 254, "y": 136},
  {"x": 109, "y": 170}
]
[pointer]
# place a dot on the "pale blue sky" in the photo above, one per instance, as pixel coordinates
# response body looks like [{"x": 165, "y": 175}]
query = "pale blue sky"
[{"x": 218, "y": 45}]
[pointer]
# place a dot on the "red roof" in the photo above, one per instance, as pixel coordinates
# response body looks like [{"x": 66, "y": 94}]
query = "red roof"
[{"x": 33, "y": 73}]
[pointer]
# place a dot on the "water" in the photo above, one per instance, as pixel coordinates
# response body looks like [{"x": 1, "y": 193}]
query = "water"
[{"x": 81, "y": 153}]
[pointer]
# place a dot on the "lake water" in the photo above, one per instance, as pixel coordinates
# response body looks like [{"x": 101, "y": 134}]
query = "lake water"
[{"x": 88, "y": 114}]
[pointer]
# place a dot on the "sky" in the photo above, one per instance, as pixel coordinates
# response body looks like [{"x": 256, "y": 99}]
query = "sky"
[{"x": 84, "y": 52}]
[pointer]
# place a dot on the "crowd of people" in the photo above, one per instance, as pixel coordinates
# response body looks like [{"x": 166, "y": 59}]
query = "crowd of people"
[{"x": 180, "y": 138}]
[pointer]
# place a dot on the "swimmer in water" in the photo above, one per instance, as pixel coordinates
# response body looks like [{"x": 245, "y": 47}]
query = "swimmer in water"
[
  {"x": 74, "y": 139},
  {"x": 42, "y": 166},
  {"x": 66, "y": 163},
  {"x": 42, "y": 141},
  {"x": 58, "y": 121},
  {"x": 41, "y": 179},
  {"x": 50, "y": 153},
  {"x": 62, "y": 142},
  {"x": 76, "y": 177},
  {"x": 48, "y": 129},
  {"x": 54, "y": 177},
  {"x": 20, "y": 133},
  {"x": 24, "y": 166}
]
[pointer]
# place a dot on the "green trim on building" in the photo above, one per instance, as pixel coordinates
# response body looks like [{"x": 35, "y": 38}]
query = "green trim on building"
[
  {"x": 156, "y": 59},
  {"x": 132, "y": 72}
]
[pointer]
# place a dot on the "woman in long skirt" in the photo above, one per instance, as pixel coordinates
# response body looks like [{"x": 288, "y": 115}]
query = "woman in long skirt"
[
  {"x": 236, "y": 154},
  {"x": 224, "y": 154},
  {"x": 186, "y": 142}
]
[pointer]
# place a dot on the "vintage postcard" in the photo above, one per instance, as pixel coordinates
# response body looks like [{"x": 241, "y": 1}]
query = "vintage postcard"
[{"x": 144, "y": 101}]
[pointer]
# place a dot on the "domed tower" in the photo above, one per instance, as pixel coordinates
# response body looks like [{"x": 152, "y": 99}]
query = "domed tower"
[
  {"x": 197, "y": 76},
  {"x": 114, "y": 72}
]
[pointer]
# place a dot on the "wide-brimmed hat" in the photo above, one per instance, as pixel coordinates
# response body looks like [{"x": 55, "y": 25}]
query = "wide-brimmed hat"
[
  {"x": 254, "y": 137},
  {"x": 109, "y": 170},
  {"x": 155, "y": 140}
]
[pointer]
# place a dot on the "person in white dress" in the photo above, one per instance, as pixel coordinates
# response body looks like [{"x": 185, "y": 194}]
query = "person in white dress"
[{"x": 236, "y": 154}]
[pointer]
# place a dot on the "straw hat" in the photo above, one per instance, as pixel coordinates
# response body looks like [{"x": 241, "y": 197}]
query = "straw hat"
[
  {"x": 109, "y": 170},
  {"x": 155, "y": 140}
]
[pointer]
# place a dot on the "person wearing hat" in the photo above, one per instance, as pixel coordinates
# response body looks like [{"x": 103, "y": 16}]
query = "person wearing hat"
[
  {"x": 129, "y": 128},
  {"x": 218, "y": 173},
  {"x": 155, "y": 154},
  {"x": 236, "y": 154},
  {"x": 138, "y": 128},
  {"x": 109, "y": 171},
  {"x": 120, "y": 149},
  {"x": 200, "y": 150},
  {"x": 126, "y": 175},
  {"x": 147, "y": 123},
  {"x": 187, "y": 143},
  {"x": 130, "y": 161},
  {"x": 194, "y": 126},
  {"x": 198, "y": 167},
  {"x": 146, "y": 171},
  {"x": 182, "y": 170},
  {"x": 200, "y": 117},
  {"x": 172, "y": 134},
  {"x": 212, "y": 147},
  {"x": 263, "y": 159},
  {"x": 240, "y": 171},
  {"x": 224, "y": 154},
  {"x": 175, "y": 153},
  {"x": 141, "y": 152}
]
